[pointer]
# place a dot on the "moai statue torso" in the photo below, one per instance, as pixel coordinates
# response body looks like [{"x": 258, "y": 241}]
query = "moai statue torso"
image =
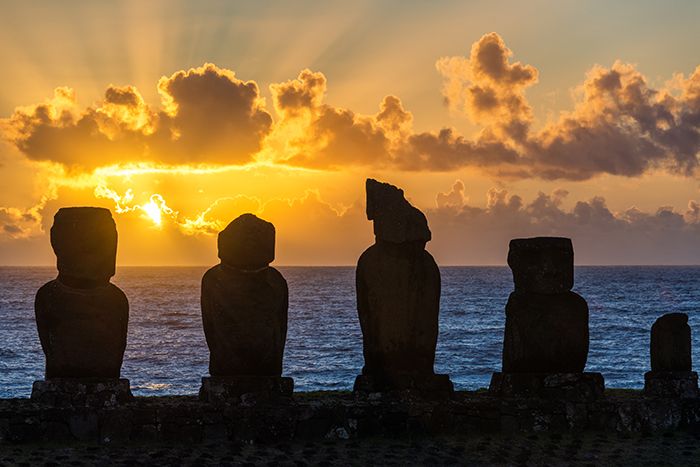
[
  {"x": 398, "y": 300},
  {"x": 81, "y": 317},
  {"x": 244, "y": 302},
  {"x": 398, "y": 292}
]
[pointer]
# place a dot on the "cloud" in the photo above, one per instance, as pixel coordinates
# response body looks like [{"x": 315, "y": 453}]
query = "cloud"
[
  {"x": 304, "y": 94},
  {"x": 447, "y": 151},
  {"x": 20, "y": 223},
  {"x": 318, "y": 135},
  {"x": 213, "y": 115},
  {"x": 619, "y": 124},
  {"x": 600, "y": 235},
  {"x": 488, "y": 88},
  {"x": 208, "y": 115},
  {"x": 453, "y": 198}
]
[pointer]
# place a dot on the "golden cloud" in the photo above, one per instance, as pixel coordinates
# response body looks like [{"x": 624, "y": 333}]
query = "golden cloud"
[
  {"x": 488, "y": 88},
  {"x": 208, "y": 116}
]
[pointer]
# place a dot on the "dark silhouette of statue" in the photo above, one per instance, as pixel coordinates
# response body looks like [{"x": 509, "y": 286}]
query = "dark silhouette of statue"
[
  {"x": 244, "y": 312},
  {"x": 670, "y": 343},
  {"x": 546, "y": 323},
  {"x": 545, "y": 345},
  {"x": 81, "y": 317},
  {"x": 398, "y": 298},
  {"x": 671, "y": 372}
]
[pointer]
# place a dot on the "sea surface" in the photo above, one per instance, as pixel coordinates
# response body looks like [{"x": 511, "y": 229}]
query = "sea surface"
[{"x": 166, "y": 352}]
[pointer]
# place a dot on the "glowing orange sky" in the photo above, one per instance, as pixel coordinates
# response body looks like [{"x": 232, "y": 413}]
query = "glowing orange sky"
[{"x": 180, "y": 117}]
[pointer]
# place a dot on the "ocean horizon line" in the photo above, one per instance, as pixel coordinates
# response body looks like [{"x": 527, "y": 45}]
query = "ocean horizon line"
[{"x": 674, "y": 265}]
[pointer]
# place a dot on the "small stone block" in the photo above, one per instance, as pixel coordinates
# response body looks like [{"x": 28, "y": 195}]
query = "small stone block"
[
  {"x": 671, "y": 384},
  {"x": 568, "y": 386},
  {"x": 425, "y": 387},
  {"x": 542, "y": 264},
  {"x": 236, "y": 389},
  {"x": 82, "y": 392}
]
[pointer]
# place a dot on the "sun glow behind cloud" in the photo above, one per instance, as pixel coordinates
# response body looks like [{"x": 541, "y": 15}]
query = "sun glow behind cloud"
[
  {"x": 202, "y": 193},
  {"x": 153, "y": 210}
]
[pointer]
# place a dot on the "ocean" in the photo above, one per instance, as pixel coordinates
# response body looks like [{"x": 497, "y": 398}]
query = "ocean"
[{"x": 167, "y": 354}]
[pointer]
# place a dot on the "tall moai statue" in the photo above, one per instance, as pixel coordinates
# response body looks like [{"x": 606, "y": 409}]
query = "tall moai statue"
[
  {"x": 81, "y": 317},
  {"x": 671, "y": 372},
  {"x": 244, "y": 313},
  {"x": 398, "y": 299},
  {"x": 545, "y": 345}
]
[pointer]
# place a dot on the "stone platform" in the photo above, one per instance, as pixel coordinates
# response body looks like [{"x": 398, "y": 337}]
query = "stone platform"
[
  {"x": 567, "y": 386},
  {"x": 76, "y": 392},
  {"x": 682, "y": 384},
  {"x": 323, "y": 416},
  {"x": 426, "y": 387},
  {"x": 245, "y": 389}
]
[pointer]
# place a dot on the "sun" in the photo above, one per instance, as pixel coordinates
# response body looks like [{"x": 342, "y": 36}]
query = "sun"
[{"x": 153, "y": 212}]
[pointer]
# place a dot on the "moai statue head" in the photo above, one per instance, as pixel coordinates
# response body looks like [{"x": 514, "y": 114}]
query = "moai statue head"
[
  {"x": 542, "y": 264},
  {"x": 670, "y": 343},
  {"x": 85, "y": 242},
  {"x": 248, "y": 243},
  {"x": 395, "y": 220}
]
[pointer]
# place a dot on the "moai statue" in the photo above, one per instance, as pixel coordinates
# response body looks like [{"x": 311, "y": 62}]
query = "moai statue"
[
  {"x": 671, "y": 372},
  {"x": 244, "y": 312},
  {"x": 545, "y": 345},
  {"x": 81, "y": 317},
  {"x": 398, "y": 299}
]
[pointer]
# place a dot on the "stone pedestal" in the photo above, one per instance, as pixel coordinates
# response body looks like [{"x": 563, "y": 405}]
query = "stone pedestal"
[
  {"x": 237, "y": 389},
  {"x": 674, "y": 384},
  {"x": 425, "y": 387},
  {"x": 88, "y": 392},
  {"x": 569, "y": 386}
]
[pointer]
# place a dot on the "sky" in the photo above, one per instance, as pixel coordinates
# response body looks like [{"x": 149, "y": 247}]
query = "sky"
[{"x": 498, "y": 119}]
